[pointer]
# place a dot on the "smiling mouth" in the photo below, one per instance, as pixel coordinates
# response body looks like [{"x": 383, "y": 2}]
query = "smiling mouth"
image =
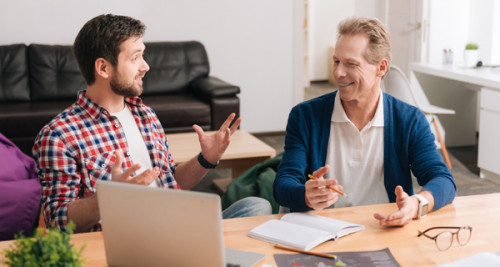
[
  {"x": 138, "y": 81},
  {"x": 139, "y": 78},
  {"x": 345, "y": 84}
]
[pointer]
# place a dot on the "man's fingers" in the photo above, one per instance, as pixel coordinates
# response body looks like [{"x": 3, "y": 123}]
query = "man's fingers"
[
  {"x": 228, "y": 121},
  {"x": 323, "y": 201},
  {"x": 147, "y": 177},
  {"x": 379, "y": 216},
  {"x": 235, "y": 125},
  {"x": 398, "y": 222},
  {"x": 333, "y": 182},
  {"x": 397, "y": 218},
  {"x": 397, "y": 215},
  {"x": 321, "y": 192},
  {"x": 318, "y": 196},
  {"x": 399, "y": 192},
  {"x": 227, "y": 136},
  {"x": 128, "y": 172},
  {"x": 321, "y": 171},
  {"x": 198, "y": 130},
  {"x": 116, "y": 168}
]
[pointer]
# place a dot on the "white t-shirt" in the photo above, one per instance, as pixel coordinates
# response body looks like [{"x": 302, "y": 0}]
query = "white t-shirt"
[
  {"x": 356, "y": 158},
  {"x": 137, "y": 147}
]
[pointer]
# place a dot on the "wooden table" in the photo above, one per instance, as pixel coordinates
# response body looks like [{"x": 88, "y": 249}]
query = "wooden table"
[
  {"x": 244, "y": 151},
  {"x": 482, "y": 212}
]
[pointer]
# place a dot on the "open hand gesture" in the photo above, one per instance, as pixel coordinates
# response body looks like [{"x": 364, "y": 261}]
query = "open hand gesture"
[
  {"x": 213, "y": 146},
  {"x": 118, "y": 175},
  {"x": 407, "y": 209}
]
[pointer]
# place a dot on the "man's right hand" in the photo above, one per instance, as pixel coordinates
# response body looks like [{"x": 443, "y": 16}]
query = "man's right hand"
[
  {"x": 118, "y": 175},
  {"x": 318, "y": 196}
]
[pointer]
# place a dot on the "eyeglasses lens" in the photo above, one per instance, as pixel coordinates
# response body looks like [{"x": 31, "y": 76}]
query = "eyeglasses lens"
[
  {"x": 444, "y": 240},
  {"x": 463, "y": 236}
]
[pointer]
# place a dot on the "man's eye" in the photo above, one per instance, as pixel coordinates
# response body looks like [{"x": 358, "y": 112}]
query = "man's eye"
[{"x": 336, "y": 61}]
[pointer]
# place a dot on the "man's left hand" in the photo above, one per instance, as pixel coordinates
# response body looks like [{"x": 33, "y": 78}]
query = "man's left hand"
[
  {"x": 408, "y": 207},
  {"x": 213, "y": 146}
]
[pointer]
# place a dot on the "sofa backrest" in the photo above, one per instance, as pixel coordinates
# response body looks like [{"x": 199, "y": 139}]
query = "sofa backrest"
[
  {"x": 50, "y": 72},
  {"x": 54, "y": 73},
  {"x": 14, "y": 80},
  {"x": 173, "y": 65}
]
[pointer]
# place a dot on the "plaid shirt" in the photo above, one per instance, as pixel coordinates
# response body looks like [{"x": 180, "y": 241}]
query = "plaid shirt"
[{"x": 76, "y": 148}]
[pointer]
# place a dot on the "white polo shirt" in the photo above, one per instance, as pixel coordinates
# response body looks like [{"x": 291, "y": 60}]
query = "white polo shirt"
[{"x": 356, "y": 158}]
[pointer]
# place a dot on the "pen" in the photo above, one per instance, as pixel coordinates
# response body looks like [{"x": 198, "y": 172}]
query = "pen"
[
  {"x": 306, "y": 252},
  {"x": 331, "y": 187}
]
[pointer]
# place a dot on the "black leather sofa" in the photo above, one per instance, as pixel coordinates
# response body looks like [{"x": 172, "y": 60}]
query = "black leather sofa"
[{"x": 39, "y": 81}]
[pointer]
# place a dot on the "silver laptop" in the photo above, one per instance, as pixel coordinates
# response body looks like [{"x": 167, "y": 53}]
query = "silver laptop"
[{"x": 145, "y": 226}]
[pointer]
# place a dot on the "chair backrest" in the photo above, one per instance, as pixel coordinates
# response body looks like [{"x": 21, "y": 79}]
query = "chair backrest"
[{"x": 397, "y": 84}]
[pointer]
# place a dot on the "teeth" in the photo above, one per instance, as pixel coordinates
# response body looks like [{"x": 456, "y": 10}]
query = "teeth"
[{"x": 344, "y": 84}]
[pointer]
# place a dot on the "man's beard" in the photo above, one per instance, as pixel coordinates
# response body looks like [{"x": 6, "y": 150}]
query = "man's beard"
[{"x": 123, "y": 89}]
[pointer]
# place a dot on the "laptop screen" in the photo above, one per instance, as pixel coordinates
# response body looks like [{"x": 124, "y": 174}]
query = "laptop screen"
[{"x": 145, "y": 226}]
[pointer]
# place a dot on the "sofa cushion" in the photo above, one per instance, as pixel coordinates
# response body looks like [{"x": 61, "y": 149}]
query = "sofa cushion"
[
  {"x": 14, "y": 81},
  {"x": 173, "y": 65},
  {"x": 54, "y": 73},
  {"x": 178, "y": 113},
  {"x": 31, "y": 115}
]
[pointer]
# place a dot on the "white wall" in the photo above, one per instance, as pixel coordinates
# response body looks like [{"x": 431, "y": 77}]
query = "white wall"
[
  {"x": 324, "y": 17},
  {"x": 449, "y": 27},
  {"x": 495, "y": 53},
  {"x": 372, "y": 8},
  {"x": 481, "y": 26},
  {"x": 454, "y": 23},
  {"x": 249, "y": 42},
  {"x": 402, "y": 20}
]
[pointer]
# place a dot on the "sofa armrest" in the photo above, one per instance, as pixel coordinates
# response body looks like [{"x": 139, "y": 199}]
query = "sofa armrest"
[
  {"x": 221, "y": 107},
  {"x": 207, "y": 88}
]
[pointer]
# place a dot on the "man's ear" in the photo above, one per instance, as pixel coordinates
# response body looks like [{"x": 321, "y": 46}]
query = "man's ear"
[
  {"x": 382, "y": 67},
  {"x": 102, "y": 68}
]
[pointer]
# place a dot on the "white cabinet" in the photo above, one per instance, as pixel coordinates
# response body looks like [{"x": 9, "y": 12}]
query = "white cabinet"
[{"x": 489, "y": 132}]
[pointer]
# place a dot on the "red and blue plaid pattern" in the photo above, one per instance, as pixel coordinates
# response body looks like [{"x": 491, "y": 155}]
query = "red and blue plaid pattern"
[{"x": 76, "y": 148}]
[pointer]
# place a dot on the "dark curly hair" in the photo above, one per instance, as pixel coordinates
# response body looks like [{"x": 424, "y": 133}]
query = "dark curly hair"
[{"x": 101, "y": 37}]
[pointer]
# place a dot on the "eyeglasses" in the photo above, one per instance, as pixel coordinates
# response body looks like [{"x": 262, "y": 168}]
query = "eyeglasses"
[{"x": 445, "y": 239}]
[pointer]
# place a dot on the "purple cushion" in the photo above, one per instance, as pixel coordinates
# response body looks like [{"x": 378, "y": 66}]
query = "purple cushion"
[
  {"x": 20, "y": 191},
  {"x": 19, "y": 207}
]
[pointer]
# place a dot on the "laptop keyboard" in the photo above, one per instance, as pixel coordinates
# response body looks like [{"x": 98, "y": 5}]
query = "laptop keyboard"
[{"x": 232, "y": 265}]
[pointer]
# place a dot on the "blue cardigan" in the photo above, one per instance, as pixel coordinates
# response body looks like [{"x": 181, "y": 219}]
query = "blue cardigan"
[{"x": 408, "y": 145}]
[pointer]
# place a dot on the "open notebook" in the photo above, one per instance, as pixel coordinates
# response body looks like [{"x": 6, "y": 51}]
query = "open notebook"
[
  {"x": 303, "y": 230},
  {"x": 145, "y": 226}
]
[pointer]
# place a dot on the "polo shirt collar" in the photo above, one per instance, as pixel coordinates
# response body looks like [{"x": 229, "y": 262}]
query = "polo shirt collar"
[{"x": 339, "y": 114}]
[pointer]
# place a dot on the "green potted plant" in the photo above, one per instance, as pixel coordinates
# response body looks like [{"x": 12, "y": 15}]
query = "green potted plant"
[
  {"x": 48, "y": 247},
  {"x": 471, "y": 54}
]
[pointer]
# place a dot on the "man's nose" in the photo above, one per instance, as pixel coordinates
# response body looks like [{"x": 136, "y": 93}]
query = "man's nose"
[
  {"x": 144, "y": 66},
  {"x": 338, "y": 70}
]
